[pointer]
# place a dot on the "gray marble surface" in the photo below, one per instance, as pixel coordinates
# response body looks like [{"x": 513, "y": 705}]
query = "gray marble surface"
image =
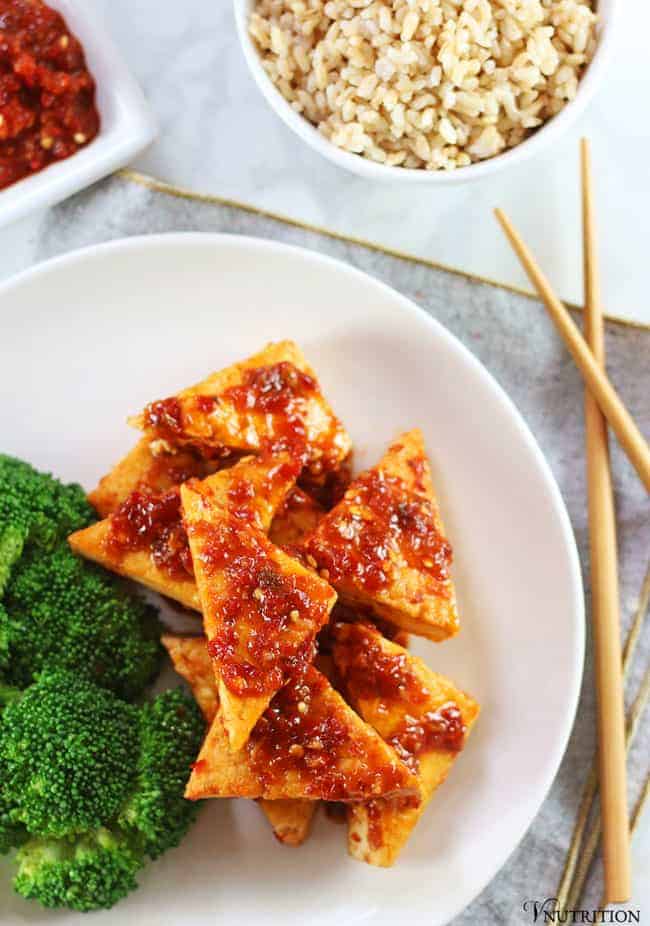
[
  {"x": 219, "y": 135},
  {"x": 512, "y": 336}
]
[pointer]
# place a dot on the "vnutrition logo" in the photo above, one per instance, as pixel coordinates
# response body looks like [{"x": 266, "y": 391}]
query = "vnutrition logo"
[{"x": 546, "y": 911}]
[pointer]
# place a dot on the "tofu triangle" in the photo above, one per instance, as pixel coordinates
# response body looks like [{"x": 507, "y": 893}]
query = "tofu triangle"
[
  {"x": 151, "y": 466},
  {"x": 384, "y": 547},
  {"x": 158, "y": 556},
  {"x": 423, "y": 715},
  {"x": 290, "y": 819},
  {"x": 271, "y": 400},
  {"x": 308, "y": 744},
  {"x": 261, "y": 607}
]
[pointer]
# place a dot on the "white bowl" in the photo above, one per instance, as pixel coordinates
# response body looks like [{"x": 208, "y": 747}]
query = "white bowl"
[
  {"x": 364, "y": 167},
  {"x": 127, "y": 125}
]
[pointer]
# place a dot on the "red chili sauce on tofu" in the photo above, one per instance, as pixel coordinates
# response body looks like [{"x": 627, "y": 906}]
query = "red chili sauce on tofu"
[
  {"x": 166, "y": 417},
  {"x": 378, "y": 520},
  {"x": 148, "y": 521},
  {"x": 268, "y": 613},
  {"x": 367, "y": 672},
  {"x": 245, "y": 499},
  {"x": 153, "y": 521},
  {"x": 279, "y": 393},
  {"x": 442, "y": 729},
  {"x": 47, "y": 95},
  {"x": 171, "y": 469},
  {"x": 300, "y": 734}
]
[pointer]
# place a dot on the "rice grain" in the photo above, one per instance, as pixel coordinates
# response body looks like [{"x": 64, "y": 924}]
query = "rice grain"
[{"x": 430, "y": 84}]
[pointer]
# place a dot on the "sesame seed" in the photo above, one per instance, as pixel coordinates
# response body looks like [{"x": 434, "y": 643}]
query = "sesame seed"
[
  {"x": 302, "y": 707},
  {"x": 47, "y": 142},
  {"x": 428, "y": 563},
  {"x": 258, "y": 594},
  {"x": 294, "y": 615},
  {"x": 64, "y": 41},
  {"x": 79, "y": 138},
  {"x": 296, "y": 750}
]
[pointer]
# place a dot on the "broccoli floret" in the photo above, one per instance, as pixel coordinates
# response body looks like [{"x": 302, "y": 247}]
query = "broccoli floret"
[
  {"x": 171, "y": 730},
  {"x": 35, "y": 508},
  {"x": 90, "y": 874},
  {"x": 67, "y": 755},
  {"x": 12, "y": 834},
  {"x": 4, "y": 652},
  {"x": 63, "y": 612},
  {"x": 90, "y": 786},
  {"x": 12, "y": 541}
]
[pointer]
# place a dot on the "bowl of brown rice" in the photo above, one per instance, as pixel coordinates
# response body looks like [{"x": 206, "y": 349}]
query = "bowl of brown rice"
[{"x": 434, "y": 91}]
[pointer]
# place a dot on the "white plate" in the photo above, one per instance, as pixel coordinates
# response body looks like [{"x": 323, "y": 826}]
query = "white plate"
[
  {"x": 127, "y": 126},
  {"x": 90, "y": 337}
]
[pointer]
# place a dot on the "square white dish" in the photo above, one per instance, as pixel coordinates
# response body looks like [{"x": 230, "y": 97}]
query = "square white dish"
[{"x": 127, "y": 124}]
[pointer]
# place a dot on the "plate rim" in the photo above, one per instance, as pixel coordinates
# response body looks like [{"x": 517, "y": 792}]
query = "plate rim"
[{"x": 402, "y": 303}]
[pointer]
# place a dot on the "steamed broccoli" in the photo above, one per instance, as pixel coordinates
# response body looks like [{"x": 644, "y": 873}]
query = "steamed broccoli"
[
  {"x": 63, "y": 612},
  {"x": 12, "y": 834},
  {"x": 91, "y": 785},
  {"x": 36, "y": 509},
  {"x": 66, "y": 755},
  {"x": 92, "y": 873},
  {"x": 96, "y": 783},
  {"x": 168, "y": 735}
]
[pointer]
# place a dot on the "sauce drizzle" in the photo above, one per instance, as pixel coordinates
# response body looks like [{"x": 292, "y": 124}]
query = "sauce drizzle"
[
  {"x": 301, "y": 734},
  {"x": 367, "y": 672},
  {"x": 149, "y": 521},
  {"x": 278, "y": 399},
  {"x": 380, "y": 522},
  {"x": 267, "y": 612}
]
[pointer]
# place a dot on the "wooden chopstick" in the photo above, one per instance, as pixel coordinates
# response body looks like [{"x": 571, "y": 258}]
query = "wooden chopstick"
[
  {"x": 590, "y": 790},
  {"x": 620, "y": 420},
  {"x": 593, "y": 835},
  {"x": 604, "y": 581}
]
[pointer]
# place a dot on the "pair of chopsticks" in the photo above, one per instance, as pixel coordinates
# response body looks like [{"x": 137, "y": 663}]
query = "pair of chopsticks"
[{"x": 603, "y": 406}]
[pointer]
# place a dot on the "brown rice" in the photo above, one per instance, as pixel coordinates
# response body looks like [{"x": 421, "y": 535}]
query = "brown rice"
[{"x": 433, "y": 84}]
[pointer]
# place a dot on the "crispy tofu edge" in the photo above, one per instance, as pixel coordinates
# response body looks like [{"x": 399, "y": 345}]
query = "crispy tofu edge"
[
  {"x": 388, "y": 820},
  {"x": 135, "y": 565},
  {"x": 221, "y": 772},
  {"x": 239, "y": 714},
  {"x": 219, "y": 381},
  {"x": 433, "y": 617},
  {"x": 289, "y": 819}
]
